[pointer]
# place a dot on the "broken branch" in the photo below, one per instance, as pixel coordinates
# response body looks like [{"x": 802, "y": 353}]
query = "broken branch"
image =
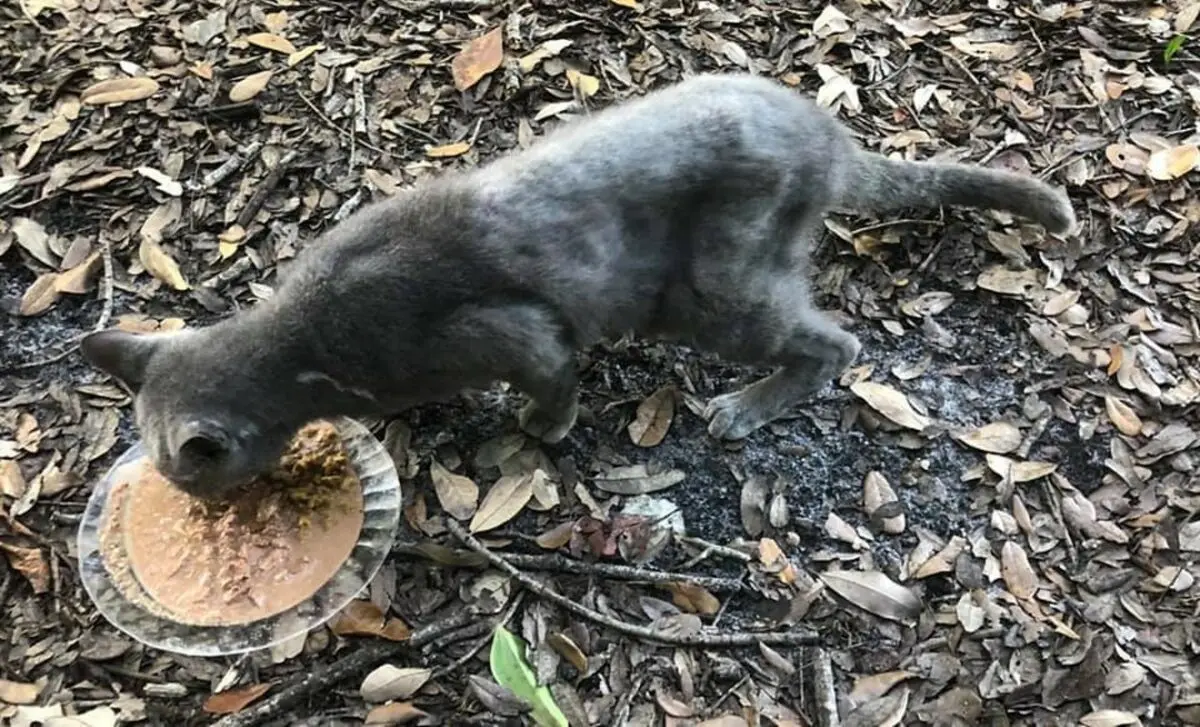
[{"x": 642, "y": 632}]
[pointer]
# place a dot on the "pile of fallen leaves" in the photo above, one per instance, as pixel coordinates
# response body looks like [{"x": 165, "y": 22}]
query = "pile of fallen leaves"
[{"x": 993, "y": 516}]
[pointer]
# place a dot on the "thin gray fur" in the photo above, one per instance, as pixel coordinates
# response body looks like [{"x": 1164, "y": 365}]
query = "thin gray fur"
[{"x": 686, "y": 215}]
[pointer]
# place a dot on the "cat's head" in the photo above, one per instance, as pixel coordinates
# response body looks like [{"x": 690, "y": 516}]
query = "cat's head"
[{"x": 209, "y": 420}]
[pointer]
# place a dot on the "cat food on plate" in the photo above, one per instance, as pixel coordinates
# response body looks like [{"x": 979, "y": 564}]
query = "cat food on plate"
[{"x": 235, "y": 561}]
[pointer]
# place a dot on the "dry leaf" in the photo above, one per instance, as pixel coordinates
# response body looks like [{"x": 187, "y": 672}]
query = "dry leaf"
[
  {"x": 674, "y": 707},
  {"x": 998, "y": 52},
  {"x": 394, "y": 713},
  {"x": 160, "y": 219},
  {"x": 363, "y": 618},
  {"x": 478, "y": 58},
  {"x": 18, "y": 692},
  {"x": 270, "y": 41},
  {"x": 34, "y": 239},
  {"x": 1000, "y": 279},
  {"x": 1017, "y": 572},
  {"x": 457, "y": 494},
  {"x": 202, "y": 69},
  {"x": 119, "y": 90},
  {"x": 298, "y": 57},
  {"x": 31, "y": 563},
  {"x": 997, "y": 438},
  {"x": 837, "y": 89},
  {"x": 890, "y": 403},
  {"x": 839, "y": 529},
  {"x": 875, "y": 592},
  {"x": 727, "y": 720},
  {"x": 549, "y": 49},
  {"x": 569, "y": 651},
  {"x": 1124, "y": 677},
  {"x": 773, "y": 558},
  {"x": 586, "y": 85},
  {"x": 389, "y": 682},
  {"x": 1060, "y": 303},
  {"x": 234, "y": 700},
  {"x": 637, "y": 480},
  {"x": 693, "y": 598},
  {"x": 1109, "y": 718},
  {"x": 1127, "y": 158},
  {"x": 275, "y": 22},
  {"x": 754, "y": 504},
  {"x": 1019, "y": 471},
  {"x": 927, "y": 304},
  {"x": 877, "y": 494},
  {"x": 557, "y": 537},
  {"x": 161, "y": 265},
  {"x": 77, "y": 279},
  {"x": 458, "y": 148},
  {"x": 250, "y": 86},
  {"x": 874, "y": 686},
  {"x": 166, "y": 185},
  {"x": 27, "y": 433},
  {"x": 1122, "y": 417},
  {"x": 41, "y": 294},
  {"x": 504, "y": 500},
  {"x": 1166, "y": 165},
  {"x": 228, "y": 241},
  {"x": 654, "y": 417},
  {"x": 497, "y": 450},
  {"x": 12, "y": 481},
  {"x": 631, "y": 4}
]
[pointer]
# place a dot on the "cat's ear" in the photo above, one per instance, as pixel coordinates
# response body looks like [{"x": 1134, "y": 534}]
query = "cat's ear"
[{"x": 120, "y": 354}]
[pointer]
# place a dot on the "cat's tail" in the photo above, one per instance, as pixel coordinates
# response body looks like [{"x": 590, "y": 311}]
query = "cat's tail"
[{"x": 878, "y": 184}]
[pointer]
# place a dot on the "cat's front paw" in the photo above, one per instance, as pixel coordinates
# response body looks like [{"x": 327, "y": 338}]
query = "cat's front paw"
[
  {"x": 543, "y": 425},
  {"x": 731, "y": 417}
]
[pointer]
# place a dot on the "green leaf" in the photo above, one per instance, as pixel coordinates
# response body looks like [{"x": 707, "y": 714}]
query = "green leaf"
[
  {"x": 1173, "y": 47},
  {"x": 510, "y": 669}
]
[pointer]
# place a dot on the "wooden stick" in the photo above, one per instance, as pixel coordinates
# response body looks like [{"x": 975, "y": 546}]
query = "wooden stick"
[{"x": 734, "y": 639}]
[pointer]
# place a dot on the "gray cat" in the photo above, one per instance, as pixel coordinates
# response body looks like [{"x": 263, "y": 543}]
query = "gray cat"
[{"x": 686, "y": 215}]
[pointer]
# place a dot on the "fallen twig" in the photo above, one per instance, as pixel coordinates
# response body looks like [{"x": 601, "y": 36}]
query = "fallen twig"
[
  {"x": 642, "y": 632},
  {"x": 708, "y": 548},
  {"x": 555, "y": 563},
  {"x": 507, "y": 616},
  {"x": 825, "y": 691},
  {"x": 321, "y": 678},
  {"x": 417, "y": 6},
  {"x": 232, "y": 111},
  {"x": 348, "y": 207},
  {"x": 334, "y": 125},
  {"x": 223, "y": 172},
  {"x": 72, "y": 347},
  {"x": 1031, "y": 438},
  {"x": 259, "y": 198},
  {"x": 106, "y": 285},
  {"x": 239, "y": 266}
]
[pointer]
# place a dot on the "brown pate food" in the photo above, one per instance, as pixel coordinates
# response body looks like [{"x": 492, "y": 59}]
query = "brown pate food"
[{"x": 220, "y": 563}]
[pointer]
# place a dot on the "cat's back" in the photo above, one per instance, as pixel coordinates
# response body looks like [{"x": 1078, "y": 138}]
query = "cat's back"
[
  {"x": 692, "y": 133},
  {"x": 424, "y": 238}
]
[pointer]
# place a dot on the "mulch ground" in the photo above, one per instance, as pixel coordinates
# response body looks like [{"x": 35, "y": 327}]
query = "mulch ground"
[{"x": 991, "y": 519}]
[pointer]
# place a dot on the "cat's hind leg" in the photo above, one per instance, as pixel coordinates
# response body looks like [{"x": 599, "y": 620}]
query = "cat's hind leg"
[
  {"x": 768, "y": 320},
  {"x": 816, "y": 351},
  {"x": 553, "y": 401}
]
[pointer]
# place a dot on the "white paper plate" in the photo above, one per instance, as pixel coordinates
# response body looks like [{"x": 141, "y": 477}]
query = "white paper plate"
[{"x": 382, "y": 501}]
